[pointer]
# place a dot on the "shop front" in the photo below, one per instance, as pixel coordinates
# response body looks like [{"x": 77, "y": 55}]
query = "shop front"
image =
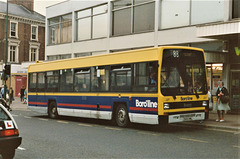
[
  {"x": 216, "y": 70},
  {"x": 229, "y": 69},
  {"x": 234, "y": 60}
]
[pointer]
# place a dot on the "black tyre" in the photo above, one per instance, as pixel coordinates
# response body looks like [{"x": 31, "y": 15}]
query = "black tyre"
[
  {"x": 52, "y": 110},
  {"x": 8, "y": 154},
  {"x": 121, "y": 116}
]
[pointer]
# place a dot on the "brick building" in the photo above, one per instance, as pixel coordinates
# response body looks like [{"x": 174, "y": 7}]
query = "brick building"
[{"x": 26, "y": 39}]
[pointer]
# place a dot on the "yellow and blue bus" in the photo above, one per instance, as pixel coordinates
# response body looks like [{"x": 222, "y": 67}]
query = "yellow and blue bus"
[{"x": 151, "y": 86}]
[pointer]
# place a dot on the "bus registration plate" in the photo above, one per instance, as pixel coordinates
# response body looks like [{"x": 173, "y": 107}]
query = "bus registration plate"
[{"x": 187, "y": 117}]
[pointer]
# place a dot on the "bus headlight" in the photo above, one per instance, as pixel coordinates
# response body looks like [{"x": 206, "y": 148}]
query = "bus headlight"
[
  {"x": 204, "y": 104},
  {"x": 166, "y": 106}
]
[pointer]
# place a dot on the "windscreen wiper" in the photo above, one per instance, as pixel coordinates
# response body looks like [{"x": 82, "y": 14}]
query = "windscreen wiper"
[
  {"x": 174, "y": 97},
  {"x": 196, "y": 93}
]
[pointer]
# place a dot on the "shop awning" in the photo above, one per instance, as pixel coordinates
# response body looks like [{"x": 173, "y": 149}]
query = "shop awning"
[{"x": 221, "y": 30}]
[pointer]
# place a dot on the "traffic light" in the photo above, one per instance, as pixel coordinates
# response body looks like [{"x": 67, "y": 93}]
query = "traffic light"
[
  {"x": 7, "y": 69},
  {"x": 4, "y": 77}
]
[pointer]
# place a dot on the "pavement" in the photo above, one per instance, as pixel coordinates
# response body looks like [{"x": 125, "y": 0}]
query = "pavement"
[{"x": 232, "y": 121}]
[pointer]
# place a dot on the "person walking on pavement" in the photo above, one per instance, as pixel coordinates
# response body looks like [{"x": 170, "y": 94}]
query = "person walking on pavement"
[
  {"x": 221, "y": 106},
  {"x": 22, "y": 93},
  {"x": 11, "y": 92}
]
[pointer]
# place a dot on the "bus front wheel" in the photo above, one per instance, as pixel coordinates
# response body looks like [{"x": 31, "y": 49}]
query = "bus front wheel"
[
  {"x": 52, "y": 110},
  {"x": 121, "y": 116}
]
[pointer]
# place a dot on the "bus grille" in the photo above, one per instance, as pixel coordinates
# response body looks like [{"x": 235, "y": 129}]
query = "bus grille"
[{"x": 178, "y": 105}]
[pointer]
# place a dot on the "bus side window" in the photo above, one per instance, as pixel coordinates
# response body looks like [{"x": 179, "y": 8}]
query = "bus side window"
[
  {"x": 121, "y": 76},
  {"x": 32, "y": 82},
  {"x": 145, "y": 77},
  {"x": 66, "y": 80},
  {"x": 41, "y": 82},
  {"x": 100, "y": 78},
  {"x": 82, "y": 80},
  {"x": 52, "y": 81}
]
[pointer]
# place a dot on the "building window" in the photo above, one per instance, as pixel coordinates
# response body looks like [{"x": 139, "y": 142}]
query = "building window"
[
  {"x": 13, "y": 31},
  {"x": 133, "y": 16},
  {"x": 58, "y": 57},
  {"x": 52, "y": 58},
  {"x": 66, "y": 56},
  {"x": 13, "y": 54},
  {"x": 34, "y": 33},
  {"x": 175, "y": 13},
  {"x": 236, "y": 11},
  {"x": 60, "y": 29},
  {"x": 200, "y": 11},
  {"x": 33, "y": 54},
  {"x": 52, "y": 36},
  {"x": 82, "y": 54},
  {"x": 90, "y": 53},
  {"x": 92, "y": 23}
]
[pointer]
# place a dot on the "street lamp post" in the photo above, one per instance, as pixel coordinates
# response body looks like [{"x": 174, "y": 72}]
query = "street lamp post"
[{"x": 6, "y": 50}]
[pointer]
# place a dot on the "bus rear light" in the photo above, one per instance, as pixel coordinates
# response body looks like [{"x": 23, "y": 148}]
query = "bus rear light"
[{"x": 11, "y": 132}]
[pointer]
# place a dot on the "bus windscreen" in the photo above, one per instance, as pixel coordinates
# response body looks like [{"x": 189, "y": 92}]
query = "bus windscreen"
[{"x": 183, "y": 73}]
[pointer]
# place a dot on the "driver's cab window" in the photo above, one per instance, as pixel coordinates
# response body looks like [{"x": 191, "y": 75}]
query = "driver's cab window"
[{"x": 170, "y": 78}]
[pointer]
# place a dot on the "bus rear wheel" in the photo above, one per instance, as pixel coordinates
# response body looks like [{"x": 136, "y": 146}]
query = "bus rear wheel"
[
  {"x": 52, "y": 110},
  {"x": 121, "y": 116}
]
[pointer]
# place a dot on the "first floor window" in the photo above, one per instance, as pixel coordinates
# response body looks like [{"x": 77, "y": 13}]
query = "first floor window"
[
  {"x": 34, "y": 33},
  {"x": 13, "y": 31},
  {"x": 92, "y": 23},
  {"x": 60, "y": 29},
  {"x": 132, "y": 16}
]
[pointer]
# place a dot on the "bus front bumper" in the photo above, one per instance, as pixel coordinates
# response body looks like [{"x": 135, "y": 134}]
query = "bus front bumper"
[{"x": 186, "y": 117}]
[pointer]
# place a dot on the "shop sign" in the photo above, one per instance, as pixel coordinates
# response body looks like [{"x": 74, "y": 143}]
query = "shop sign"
[{"x": 237, "y": 50}]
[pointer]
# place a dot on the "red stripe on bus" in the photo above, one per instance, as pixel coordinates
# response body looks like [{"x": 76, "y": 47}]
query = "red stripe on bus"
[
  {"x": 84, "y": 105},
  {"x": 37, "y": 103},
  {"x": 144, "y": 109},
  {"x": 105, "y": 107},
  {"x": 77, "y": 105}
]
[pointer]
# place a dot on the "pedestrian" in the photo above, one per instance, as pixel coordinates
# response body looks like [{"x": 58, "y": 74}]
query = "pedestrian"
[
  {"x": 22, "y": 93},
  {"x": 25, "y": 97},
  {"x": 1, "y": 92},
  {"x": 11, "y": 92},
  {"x": 221, "y": 106},
  {"x": 210, "y": 99}
]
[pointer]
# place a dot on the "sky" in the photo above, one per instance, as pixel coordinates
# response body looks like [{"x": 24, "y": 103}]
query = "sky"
[{"x": 40, "y": 5}]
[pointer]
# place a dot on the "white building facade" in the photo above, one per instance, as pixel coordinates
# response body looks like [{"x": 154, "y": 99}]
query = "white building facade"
[{"x": 92, "y": 27}]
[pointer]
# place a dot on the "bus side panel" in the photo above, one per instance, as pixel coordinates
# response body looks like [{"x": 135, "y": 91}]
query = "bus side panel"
[
  {"x": 144, "y": 110},
  {"x": 39, "y": 105},
  {"x": 141, "y": 109}
]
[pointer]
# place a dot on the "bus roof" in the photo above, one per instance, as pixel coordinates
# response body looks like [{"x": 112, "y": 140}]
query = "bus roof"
[{"x": 132, "y": 56}]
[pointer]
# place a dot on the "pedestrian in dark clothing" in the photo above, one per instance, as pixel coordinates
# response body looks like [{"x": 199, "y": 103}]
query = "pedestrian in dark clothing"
[
  {"x": 22, "y": 93},
  {"x": 11, "y": 92}
]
